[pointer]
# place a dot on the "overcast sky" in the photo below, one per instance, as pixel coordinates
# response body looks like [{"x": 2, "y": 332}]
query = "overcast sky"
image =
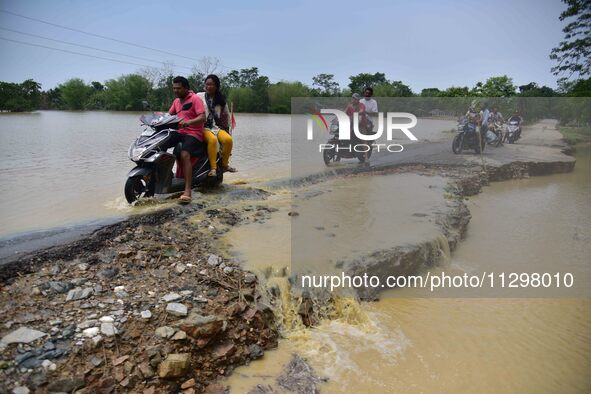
[{"x": 424, "y": 43}]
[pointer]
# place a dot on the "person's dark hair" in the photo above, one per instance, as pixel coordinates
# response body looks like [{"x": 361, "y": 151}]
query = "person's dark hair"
[
  {"x": 219, "y": 98},
  {"x": 369, "y": 88},
  {"x": 182, "y": 80}
]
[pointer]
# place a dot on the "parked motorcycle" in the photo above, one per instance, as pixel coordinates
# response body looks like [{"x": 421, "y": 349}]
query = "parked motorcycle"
[
  {"x": 153, "y": 173},
  {"x": 337, "y": 149},
  {"x": 468, "y": 137},
  {"x": 513, "y": 132}
]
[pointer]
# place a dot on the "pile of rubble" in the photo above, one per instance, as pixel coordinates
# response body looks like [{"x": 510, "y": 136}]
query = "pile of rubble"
[{"x": 157, "y": 309}]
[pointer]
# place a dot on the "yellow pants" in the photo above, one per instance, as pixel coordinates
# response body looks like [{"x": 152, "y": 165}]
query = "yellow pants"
[{"x": 212, "y": 147}]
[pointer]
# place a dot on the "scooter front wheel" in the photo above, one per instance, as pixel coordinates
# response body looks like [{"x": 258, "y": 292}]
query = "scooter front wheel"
[
  {"x": 136, "y": 187},
  {"x": 457, "y": 144},
  {"x": 328, "y": 155}
]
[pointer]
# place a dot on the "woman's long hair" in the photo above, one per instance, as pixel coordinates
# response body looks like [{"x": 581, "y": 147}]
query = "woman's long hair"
[{"x": 219, "y": 98}]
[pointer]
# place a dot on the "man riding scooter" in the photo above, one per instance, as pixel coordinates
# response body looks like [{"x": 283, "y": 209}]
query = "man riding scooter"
[
  {"x": 357, "y": 106},
  {"x": 188, "y": 107}
]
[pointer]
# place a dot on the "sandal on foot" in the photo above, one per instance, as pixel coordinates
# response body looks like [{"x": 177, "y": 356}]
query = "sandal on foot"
[
  {"x": 229, "y": 169},
  {"x": 184, "y": 199}
]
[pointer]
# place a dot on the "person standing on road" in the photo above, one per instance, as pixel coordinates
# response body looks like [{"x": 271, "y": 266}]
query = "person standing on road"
[{"x": 484, "y": 117}]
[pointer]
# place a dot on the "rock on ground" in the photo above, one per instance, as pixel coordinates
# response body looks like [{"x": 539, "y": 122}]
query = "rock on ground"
[
  {"x": 174, "y": 366},
  {"x": 22, "y": 335},
  {"x": 299, "y": 377}
]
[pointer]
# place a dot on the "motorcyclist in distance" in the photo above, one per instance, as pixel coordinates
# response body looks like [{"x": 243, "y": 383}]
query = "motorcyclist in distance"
[
  {"x": 357, "y": 106},
  {"x": 516, "y": 117}
]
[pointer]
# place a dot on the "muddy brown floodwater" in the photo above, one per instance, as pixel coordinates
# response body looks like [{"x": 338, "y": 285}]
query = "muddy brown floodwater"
[{"x": 415, "y": 345}]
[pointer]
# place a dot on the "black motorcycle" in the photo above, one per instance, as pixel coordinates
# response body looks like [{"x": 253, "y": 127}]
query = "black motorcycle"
[
  {"x": 153, "y": 173},
  {"x": 337, "y": 149},
  {"x": 468, "y": 137}
]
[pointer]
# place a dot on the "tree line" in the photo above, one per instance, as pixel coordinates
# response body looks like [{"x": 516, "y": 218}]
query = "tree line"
[
  {"x": 248, "y": 91},
  {"x": 151, "y": 89}
]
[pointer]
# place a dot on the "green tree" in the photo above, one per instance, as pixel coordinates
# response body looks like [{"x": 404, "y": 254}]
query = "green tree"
[
  {"x": 260, "y": 87},
  {"x": 280, "y": 95},
  {"x": 326, "y": 85},
  {"x": 249, "y": 76},
  {"x": 52, "y": 99},
  {"x": 97, "y": 86},
  {"x": 532, "y": 89},
  {"x": 74, "y": 93},
  {"x": 127, "y": 93},
  {"x": 245, "y": 78},
  {"x": 232, "y": 79},
  {"x": 162, "y": 96},
  {"x": 32, "y": 93},
  {"x": 456, "y": 91},
  {"x": 581, "y": 88},
  {"x": 430, "y": 92},
  {"x": 363, "y": 80},
  {"x": 243, "y": 98},
  {"x": 392, "y": 89},
  {"x": 573, "y": 54},
  {"x": 19, "y": 97},
  {"x": 96, "y": 99},
  {"x": 501, "y": 86},
  {"x": 196, "y": 81}
]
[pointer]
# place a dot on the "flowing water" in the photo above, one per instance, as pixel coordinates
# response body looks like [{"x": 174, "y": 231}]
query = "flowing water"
[{"x": 402, "y": 344}]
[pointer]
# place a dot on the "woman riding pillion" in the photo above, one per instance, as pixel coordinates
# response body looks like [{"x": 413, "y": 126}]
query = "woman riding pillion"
[{"x": 216, "y": 125}]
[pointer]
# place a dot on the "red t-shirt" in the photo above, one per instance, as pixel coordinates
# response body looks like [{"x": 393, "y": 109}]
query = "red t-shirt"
[
  {"x": 193, "y": 107},
  {"x": 362, "y": 115},
  {"x": 350, "y": 110}
]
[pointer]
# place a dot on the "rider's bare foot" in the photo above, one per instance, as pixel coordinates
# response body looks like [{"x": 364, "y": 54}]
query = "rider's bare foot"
[{"x": 212, "y": 172}]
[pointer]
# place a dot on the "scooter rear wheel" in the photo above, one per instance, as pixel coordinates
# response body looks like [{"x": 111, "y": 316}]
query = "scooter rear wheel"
[{"x": 362, "y": 156}]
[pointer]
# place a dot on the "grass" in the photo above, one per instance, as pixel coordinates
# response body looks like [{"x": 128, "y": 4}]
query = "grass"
[{"x": 576, "y": 135}]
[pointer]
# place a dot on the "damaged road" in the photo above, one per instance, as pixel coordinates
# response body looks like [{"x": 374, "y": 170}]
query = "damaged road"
[
  {"x": 147, "y": 305},
  {"x": 153, "y": 304}
]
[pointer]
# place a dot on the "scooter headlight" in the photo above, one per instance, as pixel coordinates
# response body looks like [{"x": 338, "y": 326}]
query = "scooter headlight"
[{"x": 135, "y": 152}]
